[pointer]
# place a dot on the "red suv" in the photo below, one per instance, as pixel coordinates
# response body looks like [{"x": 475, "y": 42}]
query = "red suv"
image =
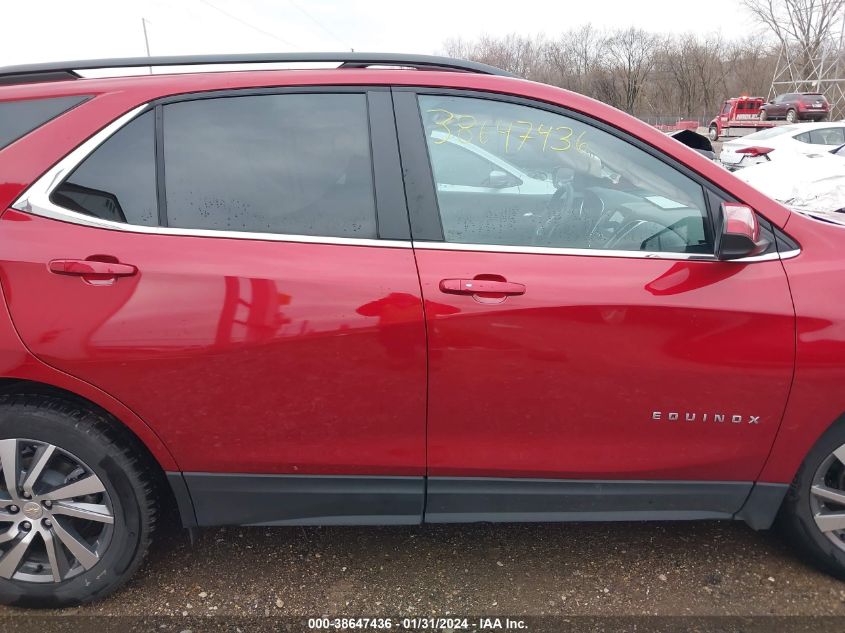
[
  {"x": 796, "y": 106},
  {"x": 425, "y": 292}
]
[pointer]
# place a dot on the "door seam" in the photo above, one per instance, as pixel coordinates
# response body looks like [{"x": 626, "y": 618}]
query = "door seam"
[{"x": 424, "y": 315}]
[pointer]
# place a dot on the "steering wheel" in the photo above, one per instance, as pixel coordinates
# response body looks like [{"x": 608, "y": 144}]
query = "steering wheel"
[{"x": 560, "y": 210}]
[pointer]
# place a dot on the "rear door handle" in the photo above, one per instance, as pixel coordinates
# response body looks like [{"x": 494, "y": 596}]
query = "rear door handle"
[
  {"x": 84, "y": 267},
  {"x": 477, "y": 286}
]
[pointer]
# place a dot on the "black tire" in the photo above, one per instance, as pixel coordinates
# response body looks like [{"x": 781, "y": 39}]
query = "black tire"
[
  {"x": 124, "y": 471},
  {"x": 763, "y": 115},
  {"x": 796, "y": 515},
  {"x": 713, "y": 133},
  {"x": 791, "y": 116}
]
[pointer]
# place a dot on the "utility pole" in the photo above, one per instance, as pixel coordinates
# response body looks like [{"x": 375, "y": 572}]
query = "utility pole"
[{"x": 146, "y": 41}]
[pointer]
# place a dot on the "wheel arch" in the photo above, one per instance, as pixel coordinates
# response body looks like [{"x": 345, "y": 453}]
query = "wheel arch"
[
  {"x": 93, "y": 398},
  {"x": 170, "y": 483},
  {"x": 791, "y": 448},
  {"x": 779, "y": 474}
]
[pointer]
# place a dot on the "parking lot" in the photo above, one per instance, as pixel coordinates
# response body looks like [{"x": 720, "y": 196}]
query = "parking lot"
[{"x": 686, "y": 569}]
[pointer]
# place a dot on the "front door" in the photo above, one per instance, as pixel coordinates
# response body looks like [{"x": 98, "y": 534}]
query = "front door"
[
  {"x": 593, "y": 338},
  {"x": 260, "y": 324},
  {"x": 777, "y": 107}
]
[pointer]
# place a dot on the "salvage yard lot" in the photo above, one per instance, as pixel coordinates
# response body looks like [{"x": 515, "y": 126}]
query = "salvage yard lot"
[{"x": 696, "y": 568}]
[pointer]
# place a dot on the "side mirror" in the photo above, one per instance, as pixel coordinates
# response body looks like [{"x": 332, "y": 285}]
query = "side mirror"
[
  {"x": 500, "y": 180},
  {"x": 739, "y": 234}
]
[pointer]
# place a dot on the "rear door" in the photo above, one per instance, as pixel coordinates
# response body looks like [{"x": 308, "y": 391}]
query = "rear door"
[
  {"x": 587, "y": 355},
  {"x": 251, "y": 294}
]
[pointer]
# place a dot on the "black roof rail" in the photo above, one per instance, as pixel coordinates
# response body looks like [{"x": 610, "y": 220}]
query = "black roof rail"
[{"x": 59, "y": 71}]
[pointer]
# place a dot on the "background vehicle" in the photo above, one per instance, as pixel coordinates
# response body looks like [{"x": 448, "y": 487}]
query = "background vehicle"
[
  {"x": 466, "y": 167},
  {"x": 738, "y": 116},
  {"x": 810, "y": 183},
  {"x": 796, "y": 106},
  {"x": 270, "y": 298},
  {"x": 696, "y": 141},
  {"x": 782, "y": 142}
]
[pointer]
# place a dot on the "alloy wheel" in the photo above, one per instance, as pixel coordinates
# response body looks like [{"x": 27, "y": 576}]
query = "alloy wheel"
[
  {"x": 827, "y": 497},
  {"x": 56, "y": 517}
]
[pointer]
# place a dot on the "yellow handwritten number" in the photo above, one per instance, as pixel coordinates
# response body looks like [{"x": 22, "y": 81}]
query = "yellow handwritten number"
[
  {"x": 580, "y": 145},
  {"x": 443, "y": 123},
  {"x": 527, "y": 135},
  {"x": 563, "y": 138},
  {"x": 482, "y": 134},
  {"x": 544, "y": 132},
  {"x": 465, "y": 124},
  {"x": 507, "y": 133}
]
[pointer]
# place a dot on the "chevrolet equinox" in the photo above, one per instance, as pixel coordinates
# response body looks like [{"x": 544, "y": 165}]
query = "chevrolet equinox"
[{"x": 401, "y": 290}]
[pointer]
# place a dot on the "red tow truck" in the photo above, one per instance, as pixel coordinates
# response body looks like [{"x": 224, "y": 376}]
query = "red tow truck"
[{"x": 739, "y": 116}]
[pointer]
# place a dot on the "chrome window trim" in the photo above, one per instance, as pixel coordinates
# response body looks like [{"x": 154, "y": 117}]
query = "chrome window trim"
[
  {"x": 58, "y": 213},
  {"x": 595, "y": 252},
  {"x": 36, "y": 200}
]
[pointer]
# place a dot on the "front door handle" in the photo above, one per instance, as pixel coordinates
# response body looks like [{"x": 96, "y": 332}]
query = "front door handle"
[
  {"x": 481, "y": 286},
  {"x": 85, "y": 267}
]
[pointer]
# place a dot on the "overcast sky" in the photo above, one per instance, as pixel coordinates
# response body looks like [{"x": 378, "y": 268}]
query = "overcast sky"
[{"x": 47, "y": 30}]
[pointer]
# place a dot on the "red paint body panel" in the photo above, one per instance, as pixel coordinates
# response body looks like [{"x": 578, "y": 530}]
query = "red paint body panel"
[
  {"x": 16, "y": 361},
  {"x": 563, "y": 380},
  {"x": 243, "y": 355},
  {"x": 816, "y": 399}
]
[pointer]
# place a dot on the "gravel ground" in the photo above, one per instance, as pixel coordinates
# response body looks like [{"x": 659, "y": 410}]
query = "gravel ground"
[{"x": 707, "y": 568}]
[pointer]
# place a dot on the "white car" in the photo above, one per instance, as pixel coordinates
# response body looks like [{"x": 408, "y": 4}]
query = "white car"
[
  {"x": 781, "y": 142},
  {"x": 809, "y": 183},
  {"x": 466, "y": 167}
]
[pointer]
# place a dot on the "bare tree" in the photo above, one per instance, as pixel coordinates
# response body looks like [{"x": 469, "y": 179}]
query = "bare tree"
[
  {"x": 805, "y": 26},
  {"x": 647, "y": 74},
  {"x": 630, "y": 57},
  {"x": 749, "y": 67},
  {"x": 573, "y": 57},
  {"x": 521, "y": 55}
]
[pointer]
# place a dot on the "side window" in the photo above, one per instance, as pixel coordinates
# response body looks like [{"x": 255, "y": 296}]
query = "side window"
[
  {"x": 804, "y": 137},
  {"x": 727, "y": 108},
  {"x": 556, "y": 182},
  {"x": 117, "y": 181},
  {"x": 288, "y": 163},
  {"x": 19, "y": 118},
  {"x": 828, "y": 136}
]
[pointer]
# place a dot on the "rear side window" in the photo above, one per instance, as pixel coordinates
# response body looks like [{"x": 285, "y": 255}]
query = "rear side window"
[
  {"x": 827, "y": 136},
  {"x": 19, "y": 118},
  {"x": 296, "y": 164},
  {"x": 118, "y": 181}
]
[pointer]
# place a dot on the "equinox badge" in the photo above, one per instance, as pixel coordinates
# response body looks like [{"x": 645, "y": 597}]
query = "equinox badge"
[{"x": 689, "y": 416}]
